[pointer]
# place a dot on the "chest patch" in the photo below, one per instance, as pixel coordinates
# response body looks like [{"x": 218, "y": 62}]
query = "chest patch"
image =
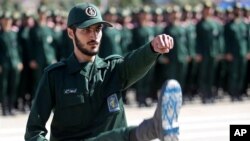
[{"x": 113, "y": 103}]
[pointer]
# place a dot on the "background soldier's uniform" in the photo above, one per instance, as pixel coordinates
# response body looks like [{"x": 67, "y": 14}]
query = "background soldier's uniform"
[
  {"x": 177, "y": 67},
  {"x": 236, "y": 45},
  {"x": 192, "y": 70},
  {"x": 41, "y": 50},
  {"x": 207, "y": 34},
  {"x": 141, "y": 35},
  {"x": 110, "y": 43},
  {"x": 10, "y": 59},
  {"x": 24, "y": 44}
]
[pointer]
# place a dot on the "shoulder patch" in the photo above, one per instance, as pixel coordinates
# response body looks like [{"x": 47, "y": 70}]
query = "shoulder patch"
[
  {"x": 54, "y": 66},
  {"x": 115, "y": 56}
]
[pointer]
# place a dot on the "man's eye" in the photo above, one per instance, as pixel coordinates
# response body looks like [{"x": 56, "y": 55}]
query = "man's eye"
[{"x": 98, "y": 29}]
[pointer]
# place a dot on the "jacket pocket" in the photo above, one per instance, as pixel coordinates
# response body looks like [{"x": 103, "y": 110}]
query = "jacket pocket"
[{"x": 71, "y": 110}]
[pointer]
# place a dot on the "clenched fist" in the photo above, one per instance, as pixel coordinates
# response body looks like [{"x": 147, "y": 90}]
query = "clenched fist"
[{"x": 162, "y": 43}]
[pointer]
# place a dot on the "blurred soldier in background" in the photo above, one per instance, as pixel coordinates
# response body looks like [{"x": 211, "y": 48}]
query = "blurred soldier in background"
[
  {"x": 111, "y": 39},
  {"x": 41, "y": 49},
  {"x": 67, "y": 44},
  {"x": 126, "y": 30},
  {"x": 236, "y": 36},
  {"x": 177, "y": 67},
  {"x": 159, "y": 25},
  {"x": 246, "y": 16},
  {"x": 207, "y": 50},
  {"x": 192, "y": 70},
  {"x": 10, "y": 63},
  {"x": 24, "y": 43},
  {"x": 57, "y": 32},
  {"x": 143, "y": 33},
  {"x": 126, "y": 39}
]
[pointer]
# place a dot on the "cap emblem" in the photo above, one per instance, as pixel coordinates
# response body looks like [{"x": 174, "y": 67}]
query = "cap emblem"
[{"x": 90, "y": 11}]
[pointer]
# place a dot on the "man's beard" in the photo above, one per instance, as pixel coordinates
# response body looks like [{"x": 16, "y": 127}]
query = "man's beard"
[{"x": 83, "y": 50}]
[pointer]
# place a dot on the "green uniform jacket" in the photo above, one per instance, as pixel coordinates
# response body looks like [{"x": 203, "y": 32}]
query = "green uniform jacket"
[
  {"x": 236, "y": 36},
  {"x": 10, "y": 53},
  {"x": 41, "y": 49},
  {"x": 207, "y": 38},
  {"x": 110, "y": 43},
  {"x": 85, "y": 98}
]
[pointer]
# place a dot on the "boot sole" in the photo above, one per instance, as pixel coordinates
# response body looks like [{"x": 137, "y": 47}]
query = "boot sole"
[{"x": 171, "y": 96}]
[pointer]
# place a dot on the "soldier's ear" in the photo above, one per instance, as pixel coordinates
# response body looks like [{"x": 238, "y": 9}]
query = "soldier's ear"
[{"x": 70, "y": 33}]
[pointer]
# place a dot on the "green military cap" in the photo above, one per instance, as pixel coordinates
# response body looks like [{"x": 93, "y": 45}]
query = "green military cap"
[
  {"x": 207, "y": 4},
  {"x": 238, "y": 5},
  {"x": 176, "y": 8},
  {"x": 219, "y": 10},
  {"x": 42, "y": 9},
  {"x": 16, "y": 15},
  {"x": 168, "y": 9},
  {"x": 84, "y": 15},
  {"x": 7, "y": 15},
  {"x": 27, "y": 14},
  {"x": 197, "y": 8},
  {"x": 229, "y": 9},
  {"x": 187, "y": 8},
  {"x": 125, "y": 12},
  {"x": 145, "y": 9},
  {"x": 158, "y": 11},
  {"x": 112, "y": 11}
]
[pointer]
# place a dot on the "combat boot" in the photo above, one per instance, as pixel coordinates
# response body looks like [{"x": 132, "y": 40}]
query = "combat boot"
[{"x": 164, "y": 125}]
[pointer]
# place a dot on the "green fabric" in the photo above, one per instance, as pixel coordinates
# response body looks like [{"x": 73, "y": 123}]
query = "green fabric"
[
  {"x": 41, "y": 48},
  {"x": 126, "y": 40},
  {"x": 110, "y": 43},
  {"x": 9, "y": 61},
  {"x": 236, "y": 37},
  {"x": 119, "y": 134},
  {"x": 177, "y": 67},
  {"x": 84, "y": 97},
  {"x": 207, "y": 46}
]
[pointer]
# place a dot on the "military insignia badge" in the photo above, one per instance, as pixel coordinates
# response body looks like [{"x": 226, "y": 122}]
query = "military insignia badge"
[
  {"x": 90, "y": 11},
  {"x": 113, "y": 103}
]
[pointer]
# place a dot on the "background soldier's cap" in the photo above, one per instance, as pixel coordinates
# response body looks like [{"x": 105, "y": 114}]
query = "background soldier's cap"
[
  {"x": 238, "y": 5},
  {"x": 7, "y": 15},
  {"x": 84, "y": 15},
  {"x": 207, "y": 4},
  {"x": 111, "y": 11},
  {"x": 42, "y": 9}
]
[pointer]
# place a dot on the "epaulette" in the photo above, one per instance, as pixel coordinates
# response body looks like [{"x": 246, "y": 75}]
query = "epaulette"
[
  {"x": 54, "y": 66},
  {"x": 112, "y": 57}
]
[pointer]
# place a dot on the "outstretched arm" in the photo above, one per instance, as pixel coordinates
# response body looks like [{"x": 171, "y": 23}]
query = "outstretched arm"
[{"x": 137, "y": 63}]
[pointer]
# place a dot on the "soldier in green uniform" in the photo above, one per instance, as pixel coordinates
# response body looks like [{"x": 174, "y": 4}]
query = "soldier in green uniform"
[
  {"x": 236, "y": 35},
  {"x": 10, "y": 63},
  {"x": 192, "y": 70},
  {"x": 127, "y": 27},
  {"x": 24, "y": 43},
  {"x": 143, "y": 33},
  {"x": 111, "y": 40},
  {"x": 67, "y": 44},
  {"x": 178, "y": 58},
  {"x": 84, "y": 91},
  {"x": 41, "y": 49},
  {"x": 207, "y": 49},
  {"x": 246, "y": 15}
]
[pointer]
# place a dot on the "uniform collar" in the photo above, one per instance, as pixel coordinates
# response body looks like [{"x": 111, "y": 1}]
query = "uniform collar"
[{"x": 75, "y": 66}]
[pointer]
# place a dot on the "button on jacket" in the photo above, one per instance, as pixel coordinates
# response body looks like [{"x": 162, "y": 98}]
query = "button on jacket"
[{"x": 85, "y": 98}]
